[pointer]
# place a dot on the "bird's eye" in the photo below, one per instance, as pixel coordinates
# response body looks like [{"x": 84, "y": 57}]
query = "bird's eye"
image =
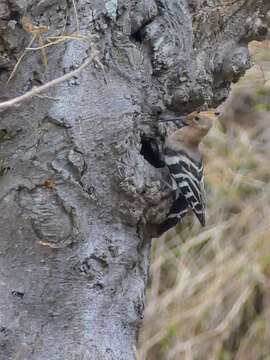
[
  {"x": 197, "y": 118},
  {"x": 217, "y": 113}
]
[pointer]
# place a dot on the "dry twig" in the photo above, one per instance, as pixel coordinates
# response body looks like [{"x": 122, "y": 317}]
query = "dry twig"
[
  {"x": 35, "y": 30},
  {"x": 76, "y": 16},
  {"x": 39, "y": 89}
]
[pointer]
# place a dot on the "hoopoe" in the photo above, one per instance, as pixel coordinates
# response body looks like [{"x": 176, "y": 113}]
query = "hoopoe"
[{"x": 184, "y": 160}]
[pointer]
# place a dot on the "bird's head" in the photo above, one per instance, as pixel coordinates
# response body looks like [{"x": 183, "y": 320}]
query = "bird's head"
[
  {"x": 202, "y": 120},
  {"x": 194, "y": 126}
]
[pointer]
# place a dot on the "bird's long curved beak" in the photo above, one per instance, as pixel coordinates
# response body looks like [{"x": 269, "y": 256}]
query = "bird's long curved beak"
[{"x": 181, "y": 119}]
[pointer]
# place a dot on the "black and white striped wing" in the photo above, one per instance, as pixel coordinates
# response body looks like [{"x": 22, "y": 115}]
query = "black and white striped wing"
[{"x": 188, "y": 177}]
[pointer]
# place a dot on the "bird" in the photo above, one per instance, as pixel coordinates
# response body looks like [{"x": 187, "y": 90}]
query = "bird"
[{"x": 184, "y": 161}]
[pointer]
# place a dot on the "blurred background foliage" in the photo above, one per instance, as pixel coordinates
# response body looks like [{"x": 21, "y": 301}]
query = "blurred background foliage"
[{"x": 209, "y": 290}]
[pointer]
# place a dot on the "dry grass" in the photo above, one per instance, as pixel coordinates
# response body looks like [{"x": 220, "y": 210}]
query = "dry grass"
[
  {"x": 209, "y": 297},
  {"x": 35, "y": 30},
  {"x": 51, "y": 41}
]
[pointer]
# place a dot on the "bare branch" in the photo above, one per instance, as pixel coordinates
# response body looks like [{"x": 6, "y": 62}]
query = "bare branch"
[{"x": 39, "y": 89}]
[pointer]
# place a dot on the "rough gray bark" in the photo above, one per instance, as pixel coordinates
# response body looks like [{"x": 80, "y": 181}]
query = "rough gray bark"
[{"x": 78, "y": 201}]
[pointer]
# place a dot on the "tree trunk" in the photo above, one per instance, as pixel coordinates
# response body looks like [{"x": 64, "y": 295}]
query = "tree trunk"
[{"x": 79, "y": 203}]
